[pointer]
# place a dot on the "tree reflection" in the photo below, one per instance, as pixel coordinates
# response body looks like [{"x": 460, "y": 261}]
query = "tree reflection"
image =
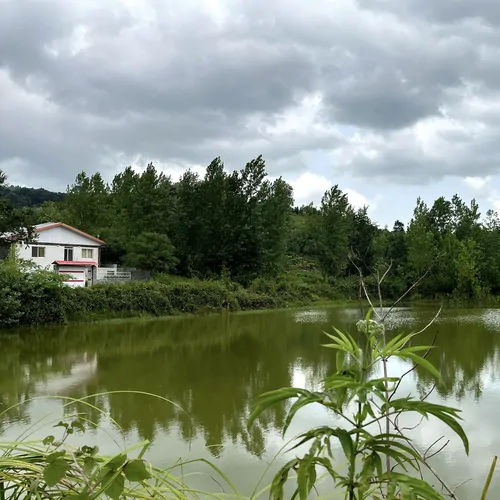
[{"x": 211, "y": 368}]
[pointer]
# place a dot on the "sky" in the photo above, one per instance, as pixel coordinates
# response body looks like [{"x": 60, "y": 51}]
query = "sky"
[{"x": 389, "y": 99}]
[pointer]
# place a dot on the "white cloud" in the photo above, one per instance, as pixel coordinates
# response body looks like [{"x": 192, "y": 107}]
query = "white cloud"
[
  {"x": 484, "y": 188},
  {"x": 478, "y": 183},
  {"x": 310, "y": 187},
  {"x": 356, "y": 199},
  {"x": 370, "y": 92}
]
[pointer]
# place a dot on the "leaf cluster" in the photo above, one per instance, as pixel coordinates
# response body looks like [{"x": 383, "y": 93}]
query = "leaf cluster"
[{"x": 361, "y": 403}]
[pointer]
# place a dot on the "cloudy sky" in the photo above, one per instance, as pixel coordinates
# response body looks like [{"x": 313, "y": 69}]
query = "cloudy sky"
[{"x": 391, "y": 99}]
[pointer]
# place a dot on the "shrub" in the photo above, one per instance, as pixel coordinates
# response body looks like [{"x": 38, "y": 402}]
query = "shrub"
[{"x": 29, "y": 295}]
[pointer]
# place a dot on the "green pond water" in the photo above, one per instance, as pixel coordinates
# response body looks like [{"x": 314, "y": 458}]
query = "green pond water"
[{"x": 212, "y": 367}]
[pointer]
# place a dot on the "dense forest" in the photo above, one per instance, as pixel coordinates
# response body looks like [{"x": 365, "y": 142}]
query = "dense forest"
[
  {"x": 21, "y": 196},
  {"x": 242, "y": 226}
]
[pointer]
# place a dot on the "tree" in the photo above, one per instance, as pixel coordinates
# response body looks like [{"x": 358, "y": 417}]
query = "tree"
[
  {"x": 86, "y": 203},
  {"x": 215, "y": 218},
  {"x": 467, "y": 269},
  {"x": 188, "y": 225},
  {"x": 361, "y": 242},
  {"x": 151, "y": 252},
  {"x": 14, "y": 223},
  {"x": 333, "y": 231},
  {"x": 421, "y": 244},
  {"x": 275, "y": 212}
]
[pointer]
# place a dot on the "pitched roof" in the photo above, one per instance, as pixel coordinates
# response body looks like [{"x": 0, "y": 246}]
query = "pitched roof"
[{"x": 49, "y": 225}]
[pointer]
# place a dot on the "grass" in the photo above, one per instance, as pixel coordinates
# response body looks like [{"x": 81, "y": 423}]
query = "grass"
[{"x": 53, "y": 469}]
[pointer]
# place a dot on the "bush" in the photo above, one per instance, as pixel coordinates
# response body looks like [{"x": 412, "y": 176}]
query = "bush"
[
  {"x": 30, "y": 296},
  {"x": 153, "y": 298}
]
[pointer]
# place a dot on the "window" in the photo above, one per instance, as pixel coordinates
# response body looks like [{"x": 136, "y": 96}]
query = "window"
[
  {"x": 87, "y": 253},
  {"x": 38, "y": 251},
  {"x": 68, "y": 254}
]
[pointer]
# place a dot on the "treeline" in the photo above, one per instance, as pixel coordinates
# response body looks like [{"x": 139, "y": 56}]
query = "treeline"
[
  {"x": 242, "y": 226},
  {"x": 21, "y": 196}
]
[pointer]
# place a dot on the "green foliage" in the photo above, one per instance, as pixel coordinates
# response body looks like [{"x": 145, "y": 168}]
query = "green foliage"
[
  {"x": 240, "y": 225},
  {"x": 54, "y": 470},
  {"x": 168, "y": 295},
  {"x": 14, "y": 223},
  {"x": 151, "y": 252},
  {"x": 378, "y": 463},
  {"x": 29, "y": 295},
  {"x": 21, "y": 196},
  {"x": 334, "y": 226}
]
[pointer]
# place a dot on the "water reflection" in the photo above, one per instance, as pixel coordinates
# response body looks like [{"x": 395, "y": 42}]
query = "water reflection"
[{"x": 212, "y": 368}]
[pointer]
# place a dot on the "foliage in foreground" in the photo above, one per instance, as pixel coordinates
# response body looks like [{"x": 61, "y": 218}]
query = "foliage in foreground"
[
  {"x": 379, "y": 456},
  {"x": 54, "y": 470}
]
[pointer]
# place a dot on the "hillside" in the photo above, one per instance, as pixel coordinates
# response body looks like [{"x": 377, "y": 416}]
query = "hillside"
[{"x": 28, "y": 197}]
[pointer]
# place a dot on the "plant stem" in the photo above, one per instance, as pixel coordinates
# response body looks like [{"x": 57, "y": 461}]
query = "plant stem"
[
  {"x": 352, "y": 467},
  {"x": 489, "y": 478}
]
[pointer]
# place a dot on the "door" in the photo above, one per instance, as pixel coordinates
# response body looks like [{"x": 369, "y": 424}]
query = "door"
[{"x": 88, "y": 276}]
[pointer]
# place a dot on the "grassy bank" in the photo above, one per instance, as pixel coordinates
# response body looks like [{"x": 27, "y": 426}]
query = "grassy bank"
[
  {"x": 167, "y": 295},
  {"x": 40, "y": 298}
]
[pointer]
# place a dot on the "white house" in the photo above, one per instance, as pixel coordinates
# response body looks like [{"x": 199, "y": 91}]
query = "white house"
[{"x": 65, "y": 250}]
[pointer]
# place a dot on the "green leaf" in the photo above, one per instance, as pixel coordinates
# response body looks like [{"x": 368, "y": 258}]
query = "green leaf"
[
  {"x": 301, "y": 402},
  {"x": 49, "y": 440},
  {"x": 419, "y": 348},
  {"x": 369, "y": 314},
  {"x": 398, "y": 342},
  {"x": 306, "y": 477},
  {"x": 402, "y": 447},
  {"x": 55, "y": 471},
  {"x": 340, "y": 360},
  {"x": 446, "y": 414},
  {"x": 347, "y": 338},
  {"x": 346, "y": 442},
  {"x": 419, "y": 360},
  {"x": 78, "y": 424},
  {"x": 417, "y": 486},
  {"x": 136, "y": 471},
  {"x": 88, "y": 465},
  {"x": 398, "y": 457},
  {"x": 276, "y": 492},
  {"x": 368, "y": 466},
  {"x": 113, "y": 485},
  {"x": 116, "y": 462},
  {"x": 270, "y": 398},
  {"x": 52, "y": 457}
]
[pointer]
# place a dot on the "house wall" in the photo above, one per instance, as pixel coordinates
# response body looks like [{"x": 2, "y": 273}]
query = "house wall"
[
  {"x": 55, "y": 240},
  {"x": 53, "y": 252},
  {"x": 62, "y": 236}
]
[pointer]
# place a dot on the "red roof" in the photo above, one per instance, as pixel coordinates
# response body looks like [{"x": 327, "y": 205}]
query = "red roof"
[{"x": 76, "y": 263}]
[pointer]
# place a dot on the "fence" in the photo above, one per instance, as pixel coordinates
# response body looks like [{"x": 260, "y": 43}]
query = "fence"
[{"x": 112, "y": 275}]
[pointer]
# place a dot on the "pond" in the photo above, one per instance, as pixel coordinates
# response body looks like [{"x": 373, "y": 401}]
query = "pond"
[{"x": 212, "y": 367}]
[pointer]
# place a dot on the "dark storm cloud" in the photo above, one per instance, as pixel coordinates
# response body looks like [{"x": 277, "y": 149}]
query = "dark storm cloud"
[{"x": 83, "y": 85}]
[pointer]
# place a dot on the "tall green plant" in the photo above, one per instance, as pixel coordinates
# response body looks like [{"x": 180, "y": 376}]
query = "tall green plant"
[{"x": 378, "y": 463}]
